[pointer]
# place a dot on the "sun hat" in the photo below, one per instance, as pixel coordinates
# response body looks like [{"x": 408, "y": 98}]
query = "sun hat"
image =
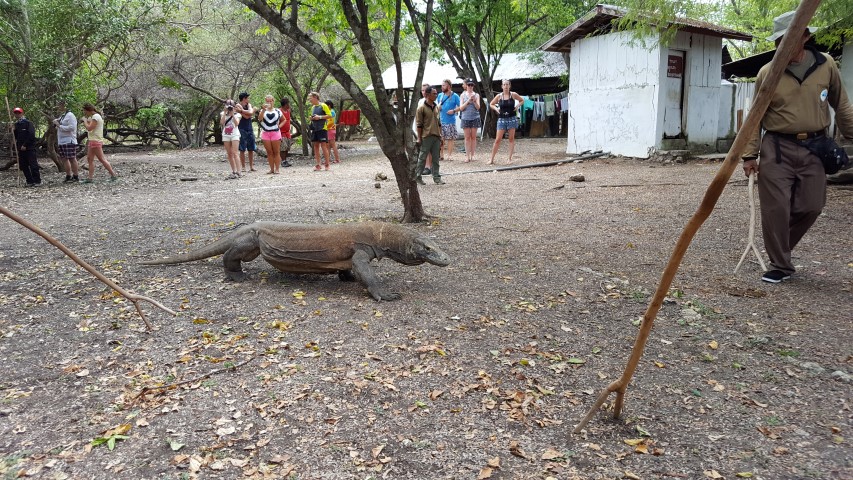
[
  {"x": 781, "y": 24},
  {"x": 18, "y": 110}
]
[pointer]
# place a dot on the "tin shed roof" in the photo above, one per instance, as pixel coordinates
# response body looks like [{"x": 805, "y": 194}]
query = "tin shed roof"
[
  {"x": 512, "y": 66},
  {"x": 600, "y": 20}
]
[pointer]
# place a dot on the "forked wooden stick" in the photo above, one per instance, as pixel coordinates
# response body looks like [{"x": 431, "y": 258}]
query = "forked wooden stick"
[
  {"x": 130, "y": 296},
  {"x": 780, "y": 61},
  {"x": 750, "y": 244}
]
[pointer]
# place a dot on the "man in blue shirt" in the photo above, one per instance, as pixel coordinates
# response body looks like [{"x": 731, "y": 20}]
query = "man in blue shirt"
[{"x": 448, "y": 103}]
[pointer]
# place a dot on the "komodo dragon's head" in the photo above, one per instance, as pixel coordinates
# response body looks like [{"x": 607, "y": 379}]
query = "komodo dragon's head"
[{"x": 419, "y": 249}]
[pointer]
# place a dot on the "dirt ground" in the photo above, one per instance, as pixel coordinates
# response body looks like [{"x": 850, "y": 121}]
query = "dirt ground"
[{"x": 482, "y": 369}]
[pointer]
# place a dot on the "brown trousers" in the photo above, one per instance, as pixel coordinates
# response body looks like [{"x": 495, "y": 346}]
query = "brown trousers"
[{"x": 792, "y": 191}]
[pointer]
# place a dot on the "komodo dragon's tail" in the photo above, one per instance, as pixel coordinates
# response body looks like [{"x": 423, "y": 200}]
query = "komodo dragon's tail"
[{"x": 216, "y": 248}]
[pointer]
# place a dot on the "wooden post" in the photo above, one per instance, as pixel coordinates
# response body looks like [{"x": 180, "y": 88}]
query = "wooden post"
[{"x": 783, "y": 55}]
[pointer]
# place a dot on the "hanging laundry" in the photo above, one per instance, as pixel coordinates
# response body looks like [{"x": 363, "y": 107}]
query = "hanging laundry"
[
  {"x": 538, "y": 111},
  {"x": 549, "y": 105},
  {"x": 350, "y": 117}
]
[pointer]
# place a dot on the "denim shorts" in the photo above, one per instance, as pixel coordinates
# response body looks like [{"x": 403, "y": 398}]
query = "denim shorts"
[
  {"x": 510, "y": 123},
  {"x": 471, "y": 123},
  {"x": 247, "y": 141}
]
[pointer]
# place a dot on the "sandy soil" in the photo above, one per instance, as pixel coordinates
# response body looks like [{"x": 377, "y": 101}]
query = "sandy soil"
[{"x": 480, "y": 371}]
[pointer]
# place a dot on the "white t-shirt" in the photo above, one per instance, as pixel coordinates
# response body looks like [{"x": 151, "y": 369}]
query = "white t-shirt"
[
  {"x": 97, "y": 134},
  {"x": 67, "y": 129}
]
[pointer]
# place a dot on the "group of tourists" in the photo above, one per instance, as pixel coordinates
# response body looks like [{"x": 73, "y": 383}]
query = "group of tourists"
[
  {"x": 238, "y": 136},
  {"x": 67, "y": 128},
  {"x": 435, "y": 124}
]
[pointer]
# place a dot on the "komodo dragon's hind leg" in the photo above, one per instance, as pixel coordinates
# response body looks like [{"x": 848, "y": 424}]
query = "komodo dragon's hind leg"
[
  {"x": 346, "y": 276},
  {"x": 244, "y": 249}
]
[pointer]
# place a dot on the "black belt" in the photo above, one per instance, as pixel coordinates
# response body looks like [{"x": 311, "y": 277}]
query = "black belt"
[{"x": 799, "y": 137}]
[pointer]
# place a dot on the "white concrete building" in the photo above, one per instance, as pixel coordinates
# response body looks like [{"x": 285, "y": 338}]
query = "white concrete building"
[{"x": 633, "y": 96}]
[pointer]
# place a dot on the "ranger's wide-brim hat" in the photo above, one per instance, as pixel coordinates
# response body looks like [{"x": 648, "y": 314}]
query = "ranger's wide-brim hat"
[{"x": 781, "y": 24}]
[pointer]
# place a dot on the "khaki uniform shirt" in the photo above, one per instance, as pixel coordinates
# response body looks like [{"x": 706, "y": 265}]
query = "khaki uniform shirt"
[
  {"x": 804, "y": 107},
  {"x": 427, "y": 118}
]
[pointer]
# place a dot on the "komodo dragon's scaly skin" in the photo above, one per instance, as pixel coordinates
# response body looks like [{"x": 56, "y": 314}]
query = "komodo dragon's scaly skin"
[{"x": 343, "y": 249}]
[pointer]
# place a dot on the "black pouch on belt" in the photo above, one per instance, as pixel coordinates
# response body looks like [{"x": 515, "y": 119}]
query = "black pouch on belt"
[{"x": 833, "y": 157}]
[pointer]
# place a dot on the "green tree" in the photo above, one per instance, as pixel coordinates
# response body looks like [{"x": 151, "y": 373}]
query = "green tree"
[
  {"x": 475, "y": 34},
  {"x": 750, "y": 16},
  {"x": 47, "y": 45},
  {"x": 373, "y": 25}
]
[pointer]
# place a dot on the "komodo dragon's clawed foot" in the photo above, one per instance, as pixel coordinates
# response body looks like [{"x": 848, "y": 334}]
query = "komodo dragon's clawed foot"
[
  {"x": 346, "y": 276},
  {"x": 384, "y": 295},
  {"x": 236, "y": 276}
]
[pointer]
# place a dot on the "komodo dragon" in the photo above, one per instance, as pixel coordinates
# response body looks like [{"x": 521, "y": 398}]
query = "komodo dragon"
[{"x": 343, "y": 249}]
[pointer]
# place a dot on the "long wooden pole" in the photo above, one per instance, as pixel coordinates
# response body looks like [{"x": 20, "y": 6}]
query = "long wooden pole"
[{"x": 783, "y": 55}]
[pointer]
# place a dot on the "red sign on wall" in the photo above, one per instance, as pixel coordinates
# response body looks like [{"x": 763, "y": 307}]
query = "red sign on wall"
[{"x": 675, "y": 66}]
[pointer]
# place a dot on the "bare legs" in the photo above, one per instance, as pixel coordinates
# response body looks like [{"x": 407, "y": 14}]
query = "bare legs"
[
  {"x": 511, "y": 143},
  {"x": 333, "y": 147},
  {"x": 317, "y": 157},
  {"x": 231, "y": 147},
  {"x": 98, "y": 151},
  {"x": 273, "y": 148},
  {"x": 71, "y": 167},
  {"x": 448, "y": 148},
  {"x": 243, "y": 160},
  {"x": 470, "y": 143},
  {"x": 499, "y": 135}
]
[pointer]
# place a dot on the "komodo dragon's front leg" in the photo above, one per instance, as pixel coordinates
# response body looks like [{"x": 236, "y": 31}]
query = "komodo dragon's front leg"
[
  {"x": 244, "y": 249},
  {"x": 365, "y": 274}
]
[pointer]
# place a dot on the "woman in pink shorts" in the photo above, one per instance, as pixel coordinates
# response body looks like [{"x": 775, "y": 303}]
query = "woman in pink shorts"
[
  {"x": 270, "y": 119},
  {"x": 95, "y": 127},
  {"x": 331, "y": 131}
]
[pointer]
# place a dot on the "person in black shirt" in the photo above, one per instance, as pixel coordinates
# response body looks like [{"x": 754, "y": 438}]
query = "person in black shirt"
[{"x": 25, "y": 140}]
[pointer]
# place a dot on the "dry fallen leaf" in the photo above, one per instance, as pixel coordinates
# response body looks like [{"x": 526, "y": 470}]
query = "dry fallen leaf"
[
  {"x": 516, "y": 450},
  {"x": 713, "y": 345},
  {"x": 485, "y": 473},
  {"x": 495, "y": 462},
  {"x": 634, "y": 441},
  {"x": 377, "y": 450},
  {"x": 552, "y": 454},
  {"x": 713, "y": 474}
]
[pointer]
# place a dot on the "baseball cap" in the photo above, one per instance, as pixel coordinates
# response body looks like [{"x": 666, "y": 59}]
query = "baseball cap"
[
  {"x": 18, "y": 110},
  {"x": 469, "y": 81},
  {"x": 243, "y": 95}
]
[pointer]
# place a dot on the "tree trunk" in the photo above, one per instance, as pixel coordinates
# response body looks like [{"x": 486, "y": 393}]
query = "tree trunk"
[
  {"x": 50, "y": 138},
  {"x": 414, "y": 210},
  {"x": 177, "y": 131}
]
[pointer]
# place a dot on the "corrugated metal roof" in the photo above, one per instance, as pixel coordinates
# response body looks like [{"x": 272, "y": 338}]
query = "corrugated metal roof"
[
  {"x": 600, "y": 20},
  {"x": 512, "y": 66}
]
